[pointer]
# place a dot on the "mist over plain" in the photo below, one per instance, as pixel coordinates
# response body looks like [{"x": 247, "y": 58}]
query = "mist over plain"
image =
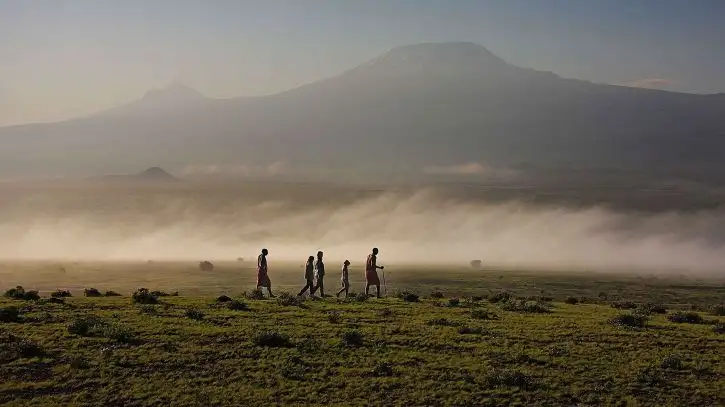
[{"x": 423, "y": 226}]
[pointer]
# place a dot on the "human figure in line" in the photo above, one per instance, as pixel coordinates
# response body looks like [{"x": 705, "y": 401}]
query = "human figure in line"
[
  {"x": 262, "y": 276},
  {"x": 309, "y": 276},
  {"x": 371, "y": 272},
  {"x": 320, "y": 274},
  {"x": 344, "y": 279}
]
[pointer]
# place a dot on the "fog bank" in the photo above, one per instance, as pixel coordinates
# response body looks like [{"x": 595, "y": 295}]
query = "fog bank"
[{"x": 422, "y": 227}]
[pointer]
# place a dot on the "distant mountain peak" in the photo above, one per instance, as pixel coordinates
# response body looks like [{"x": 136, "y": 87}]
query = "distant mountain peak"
[
  {"x": 155, "y": 173},
  {"x": 176, "y": 92},
  {"x": 457, "y": 56}
]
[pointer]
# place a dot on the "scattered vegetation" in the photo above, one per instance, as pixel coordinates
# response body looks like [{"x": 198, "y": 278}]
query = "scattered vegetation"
[
  {"x": 272, "y": 339},
  {"x": 194, "y": 314},
  {"x": 718, "y": 310},
  {"x": 650, "y": 308},
  {"x": 10, "y": 314},
  {"x": 510, "y": 378},
  {"x": 223, "y": 298},
  {"x": 465, "y": 330},
  {"x": 335, "y": 317},
  {"x": 525, "y": 306},
  {"x": 143, "y": 296},
  {"x": 623, "y": 305},
  {"x": 672, "y": 362},
  {"x": 436, "y": 295},
  {"x": 61, "y": 294},
  {"x": 236, "y": 305},
  {"x": 352, "y": 337},
  {"x": 289, "y": 300},
  {"x": 112, "y": 294},
  {"x": 719, "y": 328},
  {"x": 408, "y": 296},
  {"x": 503, "y": 296},
  {"x": 92, "y": 292},
  {"x": 19, "y": 293},
  {"x": 453, "y": 302},
  {"x": 255, "y": 294},
  {"x": 682, "y": 317},
  {"x": 481, "y": 313},
  {"x": 572, "y": 301},
  {"x": 630, "y": 320}
]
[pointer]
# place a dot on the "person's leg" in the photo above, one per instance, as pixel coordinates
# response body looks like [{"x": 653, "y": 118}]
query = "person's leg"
[
  {"x": 269, "y": 288},
  {"x": 340, "y": 292},
  {"x": 321, "y": 285},
  {"x": 307, "y": 285},
  {"x": 367, "y": 288},
  {"x": 378, "y": 289}
]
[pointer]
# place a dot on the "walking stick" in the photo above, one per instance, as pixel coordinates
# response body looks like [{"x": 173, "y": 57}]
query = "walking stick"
[{"x": 384, "y": 283}]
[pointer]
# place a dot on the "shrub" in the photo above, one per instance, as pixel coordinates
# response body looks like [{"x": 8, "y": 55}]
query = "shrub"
[
  {"x": 9, "y": 314},
  {"x": 511, "y": 378},
  {"x": 383, "y": 369},
  {"x": 206, "y": 266},
  {"x": 436, "y": 295},
  {"x": 19, "y": 293},
  {"x": 603, "y": 296},
  {"x": 164, "y": 294},
  {"x": 57, "y": 300},
  {"x": 255, "y": 294},
  {"x": 118, "y": 333},
  {"x": 572, "y": 301},
  {"x": 525, "y": 307},
  {"x": 236, "y": 305},
  {"x": 334, "y": 317},
  {"x": 27, "y": 349},
  {"x": 289, "y": 300},
  {"x": 453, "y": 302},
  {"x": 408, "y": 296},
  {"x": 650, "y": 375},
  {"x": 271, "y": 339},
  {"x": 480, "y": 313},
  {"x": 356, "y": 297},
  {"x": 194, "y": 314},
  {"x": 112, "y": 294},
  {"x": 61, "y": 294},
  {"x": 352, "y": 337},
  {"x": 718, "y": 310},
  {"x": 86, "y": 326},
  {"x": 719, "y": 328},
  {"x": 465, "y": 330},
  {"x": 629, "y": 320},
  {"x": 650, "y": 308},
  {"x": 672, "y": 362},
  {"x": 623, "y": 305},
  {"x": 223, "y": 298},
  {"x": 682, "y": 317},
  {"x": 92, "y": 292},
  {"x": 294, "y": 368},
  {"x": 503, "y": 296},
  {"x": 143, "y": 296}
]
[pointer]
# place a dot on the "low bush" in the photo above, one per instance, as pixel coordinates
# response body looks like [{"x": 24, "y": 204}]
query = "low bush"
[
  {"x": 236, "y": 305},
  {"x": 164, "y": 294},
  {"x": 10, "y": 314},
  {"x": 673, "y": 362},
  {"x": 19, "y": 293},
  {"x": 143, "y": 296},
  {"x": 436, "y": 294},
  {"x": 92, "y": 292},
  {"x": 408, "y": 296},
  {"x": 503, "y": 296},
  {"x": 525, "y": 307},
  {"x": 148, "y": 309},
  {"x": 86, "y": 326},
  {"x": 650, "y": 308},
  {"x": 682, "y": 317},
  {"x": 255, "y": 294},
  {"x": 442, "y": 322},
  {"x": 194, "y": 314},
  {"x": 271, "y": 339},
  {"x": 718, "y": 310},
  {"x": 572, "y": 301},
  {"x": 467, "y": 330},
  {"x": 385, "y": 313},
  {"x": 356, "y": 298},
  {"x": 110, "y": 293},
  {"x": 289, "y": 300},
  {"x": 383, "y": 369},
  {"x": 335, "y": 317},
  {"x": 352, "y": 337},
  {"x": 61, "y": 294},
  {"x": 223, "y": 298},
  {"x": 453, "y": 302},
  {"x": 719, "y": 328},
  {"x": 630, "y": 320}
]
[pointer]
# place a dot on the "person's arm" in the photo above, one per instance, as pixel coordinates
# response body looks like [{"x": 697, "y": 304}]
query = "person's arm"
[{"x": 375, "y": 263}]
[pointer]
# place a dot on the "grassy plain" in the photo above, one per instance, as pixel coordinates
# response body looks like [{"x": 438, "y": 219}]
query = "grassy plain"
[{"x": 194, "y": 350}]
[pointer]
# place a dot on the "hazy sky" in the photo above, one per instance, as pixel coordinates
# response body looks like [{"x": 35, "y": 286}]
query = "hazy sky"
[{"x": 62, "y": 58}]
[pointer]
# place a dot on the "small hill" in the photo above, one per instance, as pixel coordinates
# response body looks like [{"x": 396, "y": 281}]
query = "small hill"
[{"x": 153, "y": 174}]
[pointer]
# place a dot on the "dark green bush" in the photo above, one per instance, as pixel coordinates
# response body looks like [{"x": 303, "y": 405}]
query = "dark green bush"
[
  {"x": 719, "y": 328},
  {"x": 255, "y": 294},
  {"x": 630, "y": 320},
  {"x": 10, "y": 314},
  {"x": 92, "y": 292},
  {"x": 511, "y": 378},
  {"x": 453, "y": 302},
  {"x": 335, "y": 317},
  {"x": 289, "y": 300},
  {"x": 480, "y": 313},
  {"x": 408, "y": 296},
  {"x": 352, "y": 337},
  {"x": 673, "y": 362},
  {"x": 682, "y": 317},
  {"x": 718, "y": 310},
  {"x": 271, "y": 339},
  {"x": 112, "y": 294},
  {"x": 466, "y": 330},
  {"x": 236, "y": 305},
  {"x": 383, "y": 369},
  {"x": 194, "y": 314},
  {"x": 61, "y": 294},
  {"x": 19, "y": 293},
  {"x": 572, "y": 301},
  {"x": 143, "y": 296},
  {"x": 223, "y": 298},
  {"x": 436, "y": 295}
]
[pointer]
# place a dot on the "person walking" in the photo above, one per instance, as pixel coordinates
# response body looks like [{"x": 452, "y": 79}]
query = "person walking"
[
  {"x": 371, "y": 272},
  {"x": 320, "y": 273},
  {"x": 345, "y": 279},
  {"x": 309, "y": 276},
  {"x": 262, "y": 273}
]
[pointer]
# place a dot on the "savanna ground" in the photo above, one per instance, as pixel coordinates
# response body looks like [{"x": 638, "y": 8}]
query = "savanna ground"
[{"x": 473, "y": 346}]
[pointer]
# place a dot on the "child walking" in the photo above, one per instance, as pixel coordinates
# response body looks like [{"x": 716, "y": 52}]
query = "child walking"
[{"x": 344, "y": 279}]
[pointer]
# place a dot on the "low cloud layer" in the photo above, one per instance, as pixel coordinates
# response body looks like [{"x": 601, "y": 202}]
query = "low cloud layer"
[
  {"x": 408, "y": 228},
  {"x": 649, "y": 83}
]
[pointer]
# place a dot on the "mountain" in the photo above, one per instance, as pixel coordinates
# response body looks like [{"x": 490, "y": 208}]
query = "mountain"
[
  {"x": 419, "y": 106},
  {"x": 151, "y": 175}
]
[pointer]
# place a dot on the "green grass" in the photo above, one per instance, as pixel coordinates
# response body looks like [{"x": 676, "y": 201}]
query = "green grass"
[{"x": 386, "y": 352}]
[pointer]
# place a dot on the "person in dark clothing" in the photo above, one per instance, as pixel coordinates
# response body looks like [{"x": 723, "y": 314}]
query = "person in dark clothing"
[
  {"x": 320, "y": 271},
  {"x": 371, "y": 272},
  {"x": 309, "y": 276},
  {"x": 262, "y": 273}
]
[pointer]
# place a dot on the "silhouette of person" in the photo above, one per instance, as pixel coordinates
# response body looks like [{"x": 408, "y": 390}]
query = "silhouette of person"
[
  {"x": 262, "y": 276},
  {"x": 344, "y": 279},
  {"x": 309, "y": 276},
  {"x": 320, "y": 271},
  {"x": 371, "y": 272}
]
